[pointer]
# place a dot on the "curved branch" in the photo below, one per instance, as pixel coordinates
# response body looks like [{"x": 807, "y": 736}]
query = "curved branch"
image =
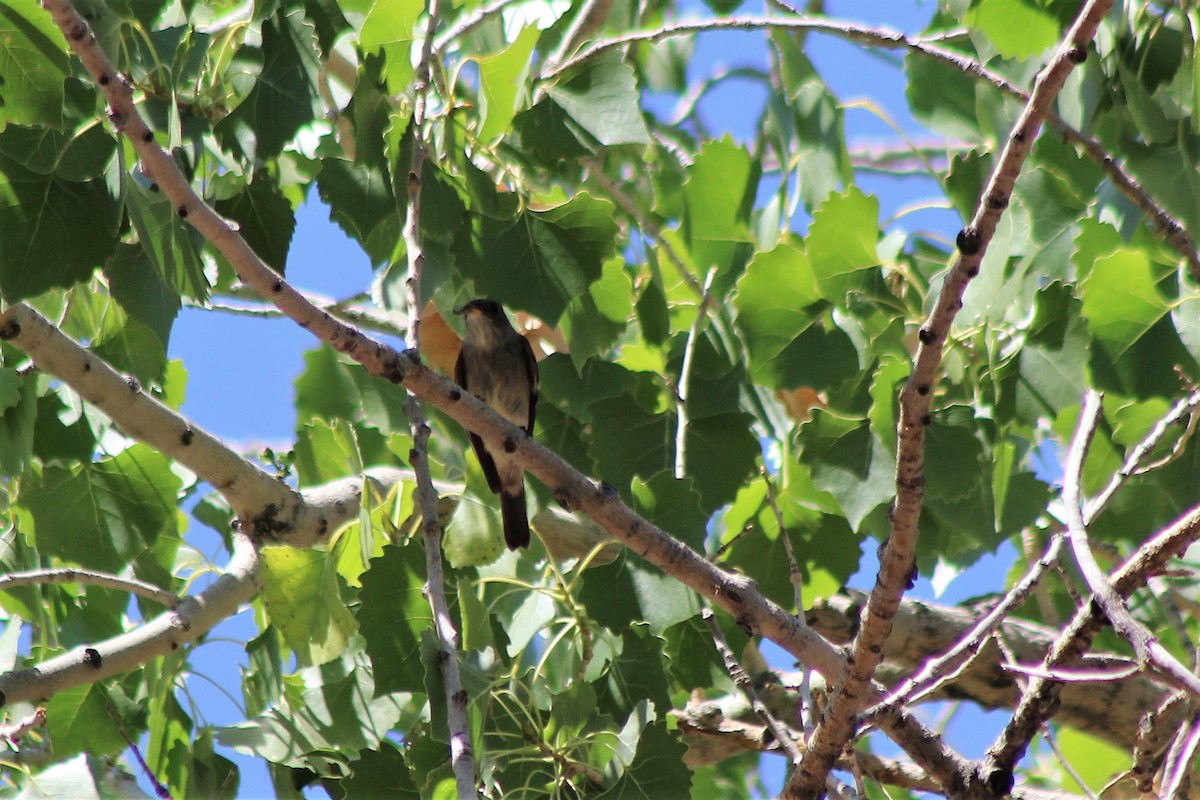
[
  {"x": 41, "y": 577},
  {"x": 169, "y": 631}
]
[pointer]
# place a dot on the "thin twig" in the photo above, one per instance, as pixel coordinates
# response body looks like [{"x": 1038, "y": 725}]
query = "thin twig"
[
  {"x": 1145, "y": 644},
  {"x": 685, "y": 375},
  {"x": 90, "y": 578},
  {"x": 1186, "y": 407},
  {"x": 1179, "y": 768},
  {"x": 743, "y": 682},
  {"x": 462, "y": 757},
  {"x": 934, "y": 674}
]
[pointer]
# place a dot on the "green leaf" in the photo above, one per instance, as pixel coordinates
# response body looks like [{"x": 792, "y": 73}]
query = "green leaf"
[
  {"x": 942, "y": 97},
  {"x": 630, "y": 590},
  {"x": 637, "y": 676},
  {"x": 475, "y": 536},
  {"x": 33, "y": 66},
  {"x": 1018, "y": 28},
  {"x": 1120, "y": 300},
  {"x": 167, "y": 240},
  {"x": 265, "y": 218},
  {"x": 18, "y": 428},
  {"x": 392, "y": 614},
  {"x": 841, "y": 243},
  {"x": 1053, "y": 362},
  {"x": 550, "y": 255},
  {"x": 848, "y": 461},
  {"x": 73, "y": 778},
  {"x": 35, "y": 210},
  {"x": 390, "y": 29},
  {"x": 330, "y": 714},
  {"x": 361, "y": 203},
  {"x": 657, "y": 771},
  {"x": 285, "y": 95},
  {"x": 718, "y": 196},
  {"x": 381, "y": 773},
  {"x": 300, "y": 591},
  {"x": 102, "y": 515},
  {"x": 139, "y": 287},
  {"x": 603, "y": 99},
  {"x": 78, "y": 721},
  {"x": 1093, "y": 759},
  {"x": 502, "y": 79}
]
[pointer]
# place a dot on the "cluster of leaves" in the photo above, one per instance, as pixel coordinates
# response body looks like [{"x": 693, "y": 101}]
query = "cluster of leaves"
[{"x": 562, "y": 196}]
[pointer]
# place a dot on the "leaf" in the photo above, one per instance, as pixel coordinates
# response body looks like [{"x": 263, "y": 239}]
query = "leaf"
[
  {"x": 717, "y": 197},
  {"x": 78, "y": 721},
  {"x": 1120, "y": 301},
  {"x": 602, "y": 97},
  {"x": 841, "y": 243},
  {"x": 629, "y": 590},
  {"x": 791, "y": 337},
  {"x": 546, "y": 257},
  {"x": 848, "y": 461},
  {"x": 71, "y": 779},
  {"x": 502, "y": 78},
  {"x": 102, "y": 515},
  {"x": 361, "y": 203},
  {"x": 381, "y": 773},
  {"x": 265, "y": 219},
  {"x": 1018, "y": 28},
  {"x": 285, "y": 95},
  {"x": 168, "y": 241},
  {"x": 139, "y": 287},
  {"x": 33, "y": 66},
  {"x": 657, "y": 771},
  {"x": 35, "y": 210},
  {"x": 390, "y": 29},
  {"x": 332, "y": 713},
  {"x": 942, "y": 98},
  {"x": 392, "y": 614},
  {"x": 636, "y": 676},
  {"x": 300, "y": 592},
  {"x": 19, "y": 401}
]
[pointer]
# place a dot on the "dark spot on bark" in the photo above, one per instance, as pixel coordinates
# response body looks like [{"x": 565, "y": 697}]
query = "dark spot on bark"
[
  {"x": 455, "y": 395},
  {"x": 133, "y": 383},
  {"x": 510, "y": 446},
  {"x": 79, "y": 31},
  {"x": 926, "y": 336},
  {"x": 104, "y": 79},
  {"x": 607, "y": 490},
  {"x": 92, "y": 657},
  {"x": 147, "y": 135},
  {"x": 323, "y": 527},
  {"x": 926, "y": 419},
  {"x": 1077, "y": 54},
  {"x": 923, "y": 389},
  {"x": 277, "y": 286},
  {"x": 182, "y": 212},
  {"x": 972, "y": 270},
  {"x": 997, "y": 202},
  {"x": 9, "y": 330},
  {"x": 968, "y": 241},
  {"x": 186, "y": 437}
]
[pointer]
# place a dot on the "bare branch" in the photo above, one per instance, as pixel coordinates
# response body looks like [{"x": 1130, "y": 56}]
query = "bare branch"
[
  {"x": 90, "y": 578},
  {"x": 1145, "y": 644}
]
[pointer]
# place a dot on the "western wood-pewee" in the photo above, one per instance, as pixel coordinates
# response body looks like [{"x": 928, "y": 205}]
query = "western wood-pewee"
[{"x": 497, "y": 366}]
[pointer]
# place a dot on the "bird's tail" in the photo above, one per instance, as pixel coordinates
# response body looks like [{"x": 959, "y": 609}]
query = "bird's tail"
[{"x": 516, "y": 522}]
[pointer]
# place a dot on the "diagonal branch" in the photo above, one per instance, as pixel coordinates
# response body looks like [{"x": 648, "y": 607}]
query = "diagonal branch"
[
  {"x": 899, "y": 553},
  {"x": 87, "y": 577}
]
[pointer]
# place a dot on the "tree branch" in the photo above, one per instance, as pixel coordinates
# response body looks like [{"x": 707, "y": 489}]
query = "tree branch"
[
  {"x": 1145, "y": 644},
  {"x": 40, "y": 577},
  {"x": 462, "y": 756},
  {"x": 898, "y": 557}
]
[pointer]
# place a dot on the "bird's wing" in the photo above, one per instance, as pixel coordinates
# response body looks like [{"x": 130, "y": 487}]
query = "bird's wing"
[
  {"x": 531, "y": 364},
  {"x": 485, "y": 458}
]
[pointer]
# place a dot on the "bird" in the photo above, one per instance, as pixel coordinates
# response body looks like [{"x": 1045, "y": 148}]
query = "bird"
[{"x": 496, "y": 365}]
